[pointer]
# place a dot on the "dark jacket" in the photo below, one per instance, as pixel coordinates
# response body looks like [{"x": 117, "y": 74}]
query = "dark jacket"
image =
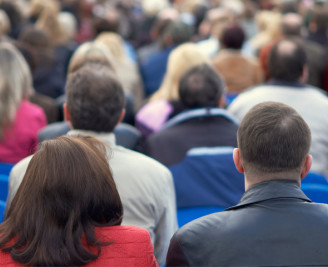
[
  {"x": 170, "y": 144},
  {"x": 274, "y": 224}
]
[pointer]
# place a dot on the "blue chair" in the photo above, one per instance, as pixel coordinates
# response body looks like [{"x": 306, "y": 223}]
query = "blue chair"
[
  {"x": 315, "y": 178},
  {"x": 207, "y": 177},
  {"x": 5, "y": 168},
  {"x": 4, "y": 180},
  {"x": 2, "y": 209},
  {"x": 316, "y": 192},
  {"x": 189, "y": 214}
]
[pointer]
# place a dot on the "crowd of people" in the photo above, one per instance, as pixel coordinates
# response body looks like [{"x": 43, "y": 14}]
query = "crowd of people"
[{"x": 100, "y": 99}]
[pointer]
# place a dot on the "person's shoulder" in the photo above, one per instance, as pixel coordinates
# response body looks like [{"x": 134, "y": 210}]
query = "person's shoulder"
[
  {"x": 138, "y": 160},
  {"x": 29, "y": 110},
  {"x": 21, "y": 166},
  {"x": 204, "y": 227},
  {"x": 135, "y": 232}
]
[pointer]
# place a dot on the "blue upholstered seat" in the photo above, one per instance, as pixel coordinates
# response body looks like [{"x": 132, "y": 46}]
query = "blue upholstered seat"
[{"x": 207, "y": 177}]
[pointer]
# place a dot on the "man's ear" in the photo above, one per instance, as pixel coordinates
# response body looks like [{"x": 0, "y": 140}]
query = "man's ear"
[
  {"x": 121, "y": 117},
  {"x": 237, "y": 160},
  {"x": 67, "y": 115},
  {"x": 306, "y": 166}
]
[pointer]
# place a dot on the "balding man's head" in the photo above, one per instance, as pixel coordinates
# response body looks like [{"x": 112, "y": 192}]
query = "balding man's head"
[
  {"x": 291, "y": 24},
  {"x": 287, "y": 61}
]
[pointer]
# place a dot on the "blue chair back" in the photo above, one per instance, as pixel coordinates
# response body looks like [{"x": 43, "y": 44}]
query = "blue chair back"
[
  {"x": 207, "y": 177},
  {"x": 189, "y": 214},
  {"x": 199, "y": 113},
  {"x": 4, "y": 180},
  {"x": 316, "y": 192},
  {"x": 5, "y": 168},
  {"x": 2, "y": 209},
  {"x": 315, "y": 178}
]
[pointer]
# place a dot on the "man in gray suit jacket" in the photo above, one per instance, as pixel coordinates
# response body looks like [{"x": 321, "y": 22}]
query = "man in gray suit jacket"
[{"x": 274, "y": 224}]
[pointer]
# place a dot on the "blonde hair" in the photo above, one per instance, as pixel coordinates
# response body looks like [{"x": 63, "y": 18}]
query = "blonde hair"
[
  {"x": 68, "y": 24},
  {"x": 90, "y": 52},
  {"x": 180, "y": 60},
  {"x": 114, "y": 43},
  {"x": 4, "y": 23},
  {"x": 15, "y": 84},
  {"x": 269, "y": 24},
  {"x": 49, "y": 23}
]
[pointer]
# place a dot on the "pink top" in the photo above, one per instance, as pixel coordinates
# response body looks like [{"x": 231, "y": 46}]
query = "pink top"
[
  {"x": 21, "y": 138},
  {"x": 132, "y": 247}
]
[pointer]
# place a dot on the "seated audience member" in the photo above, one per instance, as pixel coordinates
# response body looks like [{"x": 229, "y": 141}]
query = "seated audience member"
[
  {"x": 164, "y": 103},
  {"x": 54, "y": 222},
  {"x": 274, "y": 224},
  {"x": 46, "y": 79},
  {"x": 238, "y": 71},
  {"x": 199, "y": 87},
  {"x": 95, "y": 105},
  {"x": 20, "y": 120},
  {"x": 125, "y": 68},
  {"x": 292, "y": 27},
  {"x": 155, "y": 67},
  {"x": 48, "y": 104},
  {"x": 288, "y": 69}
]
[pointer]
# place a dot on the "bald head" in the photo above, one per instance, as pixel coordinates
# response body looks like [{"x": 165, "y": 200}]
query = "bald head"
[
  {"x": 291, "y": 24},
  {"x": 287, "y": 61}
]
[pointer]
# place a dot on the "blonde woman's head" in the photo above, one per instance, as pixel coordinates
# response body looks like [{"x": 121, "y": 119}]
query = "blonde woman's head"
[
  {"x": 180, "y": 60},
  {"x": 114, "y": 43},
  {"x": 4, "y": 23},
  {"x": 15, "y": 83},
  {"x": 94, "y": 52}
]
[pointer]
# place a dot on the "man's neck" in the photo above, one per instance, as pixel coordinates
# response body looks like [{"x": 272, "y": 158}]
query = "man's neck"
[{"x": 253, "y": 179}]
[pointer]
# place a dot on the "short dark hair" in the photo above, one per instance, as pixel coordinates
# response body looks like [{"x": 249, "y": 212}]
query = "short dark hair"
[
  {"x": 273, "y": 138},
  {"x": 233, "y": 36},
  {"x": 287, "y": 60},
  {"x": 95, "y": 98},
  {"x": 67, "y": 191},
  {"x": 200, "y": 86}
]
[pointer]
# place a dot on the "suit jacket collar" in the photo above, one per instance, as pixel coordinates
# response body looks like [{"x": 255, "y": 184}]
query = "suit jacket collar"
[
  {"x": 271, "y": 190},
  {"x": 108, "y": 138}
]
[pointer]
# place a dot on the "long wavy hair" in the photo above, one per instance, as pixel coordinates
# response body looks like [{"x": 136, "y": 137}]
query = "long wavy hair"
[
  {"x": 181, "y": 59},
  {"x": 67, "y": 191},
  {"x": 15, "y": 84}
]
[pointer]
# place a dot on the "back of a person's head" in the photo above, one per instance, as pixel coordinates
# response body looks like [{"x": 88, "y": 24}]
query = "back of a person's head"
[
  {"x": 15, "y": 83},
  {"x": 179, "y": 32},
  {"x": 95, "y": 52},
  {"x": 113, "y": 42},
  {"x": 68, "y": 190},
  {"x": 108, "y": 21},
  {"x": 95, "y": 98},
  {"x": 291, "y": 25},
  {"x": 287, "y": 60},
  {"x": 152, "y": 7},
  {"x": 273, "y": 138},
  {"x": 4, "y": 23},
  {"x": 180, "y": 60},
  {"x": 68, "y": 24},
  {"x": 35, "y": 38},
  {"x": 233, "y": 36},
  {"x": 12, "y": 11},
  {"x": 201, "y": 87}
]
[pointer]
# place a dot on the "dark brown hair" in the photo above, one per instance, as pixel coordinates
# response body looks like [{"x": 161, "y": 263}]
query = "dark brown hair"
[
  {"x": 273, "y": 138},
  {"x": 67, "y": 190},
  {"x": 95, "y": 99}
]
